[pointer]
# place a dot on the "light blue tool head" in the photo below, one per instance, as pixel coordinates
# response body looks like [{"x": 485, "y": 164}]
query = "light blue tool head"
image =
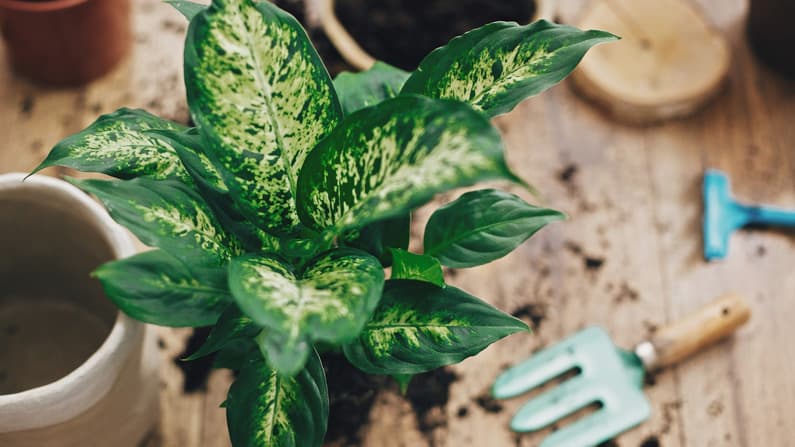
[
  {"x": 607, "y": 376},
  {"x": 722, "y": 215}
]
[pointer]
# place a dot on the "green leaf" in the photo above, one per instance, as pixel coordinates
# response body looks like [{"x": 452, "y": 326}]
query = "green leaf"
[
  {"x": 262, "y": 99},
  {"x": 187, "y": 8},
  {"x": 266, "y": 409},
  {"x": 213, "y": 189},
  {"x": 481, "y": 226},
  {"x": 496, "y": 66},
  {"x": 157, "y": 288},
  {"x": 370, "y": 87},
  {"x": 407, "y": 265},
  {"x": 235, "y": 353},
  {"x": 378, "y": 237},
  {"x": 418, "y": 327},
  {"x": 165, "y": 214},
  {"x": 403, "y": 381},
  {"x": 329, "y": 301},
  {"x": 187, "y": 144},
  {"x": 231, "y": 325},
  {"x": 383, "y": 161},
  {"x": 115, "y": 144}
]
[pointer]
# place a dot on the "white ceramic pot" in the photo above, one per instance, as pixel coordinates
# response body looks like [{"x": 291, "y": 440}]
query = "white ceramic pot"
[
  {"x": 74, "y": 371},
  {"x": 321, "y": 13}
]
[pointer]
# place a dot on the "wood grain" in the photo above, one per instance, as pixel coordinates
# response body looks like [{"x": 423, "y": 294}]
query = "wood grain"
[{"x": 628, "y": 258}]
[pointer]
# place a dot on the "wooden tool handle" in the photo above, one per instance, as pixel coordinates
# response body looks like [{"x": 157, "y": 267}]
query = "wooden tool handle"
[{"x": 699, "y": 330}]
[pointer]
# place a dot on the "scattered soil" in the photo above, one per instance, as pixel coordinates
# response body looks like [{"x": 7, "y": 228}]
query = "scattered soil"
[
  {"x": 196, "y": 371},
  {"x": 568, "y": 173},
  {"x": 651, "y": 441},
  {"x": 669, "y": 410},
  {"x": 650, "y": 379},
  {"x": 625, "y": 293},
  {"x": 535, "y": 312},
  {"x": 428, "y": 394},
  {"x": 609, "y": 443},
  {"x": 402, "y": 32},
  {"x": 761, "y": 251},
  {"x": 462, "y": 412},
  {"x": 26, "y": 106},
  {"x": 352, "y": 394},
  {"x": 488, "y": 403},
  {"x": 591, "y": 263},
  {"x": 715, "y": 408},
  {"x": 574, "y": 247}
]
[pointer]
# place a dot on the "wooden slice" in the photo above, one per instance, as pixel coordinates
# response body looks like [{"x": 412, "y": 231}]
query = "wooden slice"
[{"x": 668, "y": 63}]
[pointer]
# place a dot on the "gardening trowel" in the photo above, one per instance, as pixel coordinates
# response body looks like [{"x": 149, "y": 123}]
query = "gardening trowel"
[
  {"x": 608, "y": 376},
  {"x": 723, "y": 215}
]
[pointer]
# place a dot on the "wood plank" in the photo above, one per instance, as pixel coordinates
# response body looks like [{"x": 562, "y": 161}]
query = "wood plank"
[{"x": 633, "y": 199}]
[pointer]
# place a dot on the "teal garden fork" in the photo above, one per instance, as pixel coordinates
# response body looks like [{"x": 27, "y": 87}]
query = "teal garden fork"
[{"x": 608, "y": 376}]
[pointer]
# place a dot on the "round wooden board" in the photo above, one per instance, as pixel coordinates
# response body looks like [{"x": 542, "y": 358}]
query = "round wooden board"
[{"x": 668, "y": 63}]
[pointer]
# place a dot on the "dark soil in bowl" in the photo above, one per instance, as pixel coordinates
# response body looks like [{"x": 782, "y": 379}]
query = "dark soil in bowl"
[{"x": 402, "y": 32}]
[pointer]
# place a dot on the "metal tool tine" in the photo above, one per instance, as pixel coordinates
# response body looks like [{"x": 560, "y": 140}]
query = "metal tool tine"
[
  {"x": 594, "y": 429},
  {"x": 542, "y": 367},
  {"x": 555, "y": 404}
]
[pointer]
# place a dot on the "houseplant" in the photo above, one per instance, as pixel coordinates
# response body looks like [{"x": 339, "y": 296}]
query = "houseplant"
[
  {"x": 65, "y": 42},
  {"x": 275, "y": 217}
]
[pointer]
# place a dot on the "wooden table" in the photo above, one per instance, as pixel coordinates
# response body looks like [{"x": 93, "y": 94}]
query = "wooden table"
[{"x": 629, "y": 257}]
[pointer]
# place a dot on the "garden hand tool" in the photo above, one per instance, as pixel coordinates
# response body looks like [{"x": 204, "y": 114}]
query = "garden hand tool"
[
  {"x": 723, "y": 215},
  {"x": 609, "y": 376}
]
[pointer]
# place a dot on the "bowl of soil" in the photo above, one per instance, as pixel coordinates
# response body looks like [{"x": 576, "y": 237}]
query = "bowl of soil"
[
  {"x": 402, "y": 32},
  {"x": 74, "y": 371},
  {"x": 771, "y": 33},
  {"x": 65, "y": 42}
]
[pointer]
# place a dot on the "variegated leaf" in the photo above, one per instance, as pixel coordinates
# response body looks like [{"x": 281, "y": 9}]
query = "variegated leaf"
[
  {"x": 329, "y": 301},
  {"x": 262, "y": 99},
  {"x": 418, "y": 327},
  {"x": 496, "y": 66},
  {"x": 407, "y": 265},
  {"x": 482, "y": 226},
  {"x": 370, "y": 87},
  {"x": 165, "y": 214},
  {"x": 385, "y": 160},
  {"x": 231, "y": 325},
  {"x": 267, "y": 409},
  {"x": 187, "y": 8},
  {"x": 213, "y": 189},
  {"x": 157, "y": 288},
  {"x": 116, "y": 144}
]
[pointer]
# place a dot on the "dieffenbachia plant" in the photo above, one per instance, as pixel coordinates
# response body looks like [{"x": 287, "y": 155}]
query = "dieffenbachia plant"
[{"x": 275, "y": 217}]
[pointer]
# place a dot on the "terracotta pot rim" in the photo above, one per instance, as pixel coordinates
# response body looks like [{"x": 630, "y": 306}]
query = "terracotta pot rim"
[
  {"x": 40, "y": 6},
  {"x": 74, "y": 393}
]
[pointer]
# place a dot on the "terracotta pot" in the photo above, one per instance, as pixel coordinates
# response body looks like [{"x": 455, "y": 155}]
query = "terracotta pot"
[
  {"x": 74, "y": 371},
  {"x": 65, "y": 42},
  {"x": 772, "y": 34},
  {"x": 322, "y": 13}
]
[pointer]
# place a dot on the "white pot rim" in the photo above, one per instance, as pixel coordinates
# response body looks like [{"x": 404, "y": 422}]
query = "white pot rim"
[{"x": 73, "y": 394}]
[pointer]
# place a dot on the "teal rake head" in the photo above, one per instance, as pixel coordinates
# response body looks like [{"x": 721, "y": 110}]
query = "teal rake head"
[
  {"x": 608, "y": 376},
  {"x": 723, "y": 215}
]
